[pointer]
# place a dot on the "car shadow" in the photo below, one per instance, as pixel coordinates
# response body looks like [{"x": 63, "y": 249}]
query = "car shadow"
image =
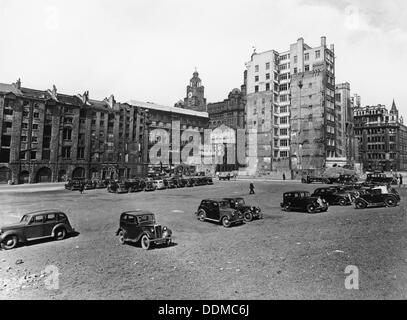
[
  {"x": 48, "y": 240},
  {"x": 153, "y": 247}
]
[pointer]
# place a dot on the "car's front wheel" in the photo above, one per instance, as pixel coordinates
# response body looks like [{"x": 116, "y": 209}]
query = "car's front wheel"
[
  {"x": 248, "y": 216},
  {"x": 10, "y": 242},
  {"x": 226, "y": 222},
  {"x": 390, "y": 202},
  {"x": 287, "y": 208},
  {"x": 60, "y": 234},
  {"x": 121, "y": 237},
  {"x": 360, "y": 204},
  {"x": 145, "y": 242},
  {"x": 342, "y": 202},
  {"x": 201, "y": 215},
  {"x": 311, "y": 208}
]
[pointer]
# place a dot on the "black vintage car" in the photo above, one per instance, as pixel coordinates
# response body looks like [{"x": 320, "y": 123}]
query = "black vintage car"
[
  {"x": 89, "y": 185},
  {"x": 224, "y": 176},
  {"x": 218, "y": 210},
  {"x": 74, "y": 185},
  {"x": 377, "y": 197},
  {"x": 334, "y": 196},
  {"x": 99, "y": 184},
  {"x": 302, "y": 200},
  {"x": 140, "y": 227},
  {"x": 171, "y": 183},
  {"x": 117, "y": 187},
  {"x": 34, "y": 226},
  {"x": 250, "y": 213},
  {"x": 150, "y": 186}
]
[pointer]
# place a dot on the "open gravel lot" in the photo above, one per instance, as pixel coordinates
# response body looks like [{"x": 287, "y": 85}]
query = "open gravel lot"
[{"x": 285, "y": 256}]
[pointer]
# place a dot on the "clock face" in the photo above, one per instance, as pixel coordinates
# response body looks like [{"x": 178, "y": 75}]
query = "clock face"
[{"x": 190, "y": 95}]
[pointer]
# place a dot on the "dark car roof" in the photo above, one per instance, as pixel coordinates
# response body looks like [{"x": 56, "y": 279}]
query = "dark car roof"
[
  {"x": 138, "y": 212},
  {"x": 33, "y": 213},
  {"x": 297, "y": 192},
  {"x": 232, "y": 198},
  {"x": 215, "y": 199}
]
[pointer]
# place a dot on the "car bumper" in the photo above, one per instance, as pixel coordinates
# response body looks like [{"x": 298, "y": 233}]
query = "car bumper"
[{"x": 161, "y": 240}]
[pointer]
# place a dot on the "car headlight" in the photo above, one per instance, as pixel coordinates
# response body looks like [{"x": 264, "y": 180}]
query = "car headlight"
[{"x": 165, "y": 229}]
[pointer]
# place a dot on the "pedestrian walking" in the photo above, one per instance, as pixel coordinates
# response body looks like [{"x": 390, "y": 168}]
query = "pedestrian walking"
[
  {"x": 284, "y": 176},
  {"x": 252, "y": 188},
  {"x": 401, "y": 181},
  {"x": 82, "y": 188}
]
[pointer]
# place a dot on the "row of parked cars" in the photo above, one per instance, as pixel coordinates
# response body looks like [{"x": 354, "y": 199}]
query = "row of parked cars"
[
  {"x": 138, "y": 185},
  {"x": 362, "y": 195}
]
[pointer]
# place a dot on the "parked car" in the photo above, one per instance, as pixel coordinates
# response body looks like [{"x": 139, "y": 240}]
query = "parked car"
[
  {"x": 381, "y": 196},
  {"x": 218, "y": 210},
  {"x": 99, "y": 184},
  {"x": 347, "y": 179},
  {"x": 209, "y": 181},
  {"x": 172, "y": 183},
  {"x": 302, "y": 200},
  {"x": 141, "y": 227},
  {"x": 190, "y": 183},
  {"x": 160, "y": 185},
  {"x": 150, "y": 186},
  {"x": 73, "y": 185},
  {"x": 250, "y": 213},
  {"x": 224, "y": 176},
  {"x": 334, "y": 196},
  {"x": 36, "y": 225},
  {"x": 117, "y": 187},
  {"x": 89, "y": 185}
]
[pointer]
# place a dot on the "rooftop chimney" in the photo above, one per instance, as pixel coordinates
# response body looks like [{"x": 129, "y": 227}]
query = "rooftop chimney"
[{"x": 323, "y": 41}]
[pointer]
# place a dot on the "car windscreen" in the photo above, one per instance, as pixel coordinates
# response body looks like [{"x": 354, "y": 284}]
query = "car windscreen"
[
  {"x": 224, "y": 204},
  {"x": 146, "y": 218},
  {"x": 240, "y": 201},
  {"x": 25, "y": 218}
]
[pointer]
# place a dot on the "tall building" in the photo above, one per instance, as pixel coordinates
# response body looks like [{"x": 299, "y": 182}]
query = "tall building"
[
  {"x": 195, "y": 99},
  {"x": 290, "y": 103},
  {"x": 47, "y": 136},
  {"x": 345, "y": 135},
  {"x": 382, "y": 138}
]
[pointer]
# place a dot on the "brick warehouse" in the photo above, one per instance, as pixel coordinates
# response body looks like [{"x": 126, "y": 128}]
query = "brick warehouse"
[{"x": 47, "y": 136}]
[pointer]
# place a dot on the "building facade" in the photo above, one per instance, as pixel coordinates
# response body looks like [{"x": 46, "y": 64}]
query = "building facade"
[
  {"x": 382, "y": 138},
  {"x": 175, "y": 134},
  {"x": 48, "y": 136},
  {"x": 290, "y": 102},
  {"x": 345, "y": 133}
]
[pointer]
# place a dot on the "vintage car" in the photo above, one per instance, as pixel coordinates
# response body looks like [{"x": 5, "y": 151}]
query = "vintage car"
[
  {"x": 34, "y": 226},
  {"x": 380, "y": 196},
  {"x": 191, "y": 182},
  {"x": 218, "y": 210},
  {"x": 99, "y": 184},
  {"x": 302, "y": 200},
  {"x": 160, "y": 185},
  {"x": 347, "y": 179},
  {"x": 380, "y": 178},
  {"x": 172, "y": 183},
  {"x": 117, "y": 187},
  {"x": 334, "y": 196},
  {"x": 89, "y": 185},
  {"x": 150, "y": 186},
  {"x": 250, "y": 213},
  {"x": 73, "y": 185},
  {"x": 224, "y": 176},
  {"x": 140, "y": 227}
]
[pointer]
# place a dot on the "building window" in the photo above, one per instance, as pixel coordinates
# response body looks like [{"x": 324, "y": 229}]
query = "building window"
[
  {"x": 284, "y": 154},
  {"x": 256, "y": 89},
  {"x": 268, "y": 66},
  {"x": 267, "y": 76},
  {"x": 256, "y": 68},
  {"x": 34, "y": 139},
  {"x": 283, "y": 132},
  {"x": 295, "y": 59},
  {"x": 81, "y": 153},
  {"x": 317, "y": 54},
  {"x": 256, "y": 78},
  {"x": 283, "y": 109},
  {"x": 283, "y": 120},
  {"x": 284, "y": 143},
  {"x": 267, "y": 86},
  {"x": 283, "y": 66},
  {"x": 35, "y": 126},
  {"x": 295, "y": 70},
  {"x": 306, "y": 67},
  {"x": 33, "y": 155},
  {"x": 36, "y": 115},
  {"x": 283, "y": 98},
  {"x": 66, "y": 152},
  {"x": 67, "y": 134},
  {"x": 306, "y": 57},
  {"x": 283, "y": 87}
]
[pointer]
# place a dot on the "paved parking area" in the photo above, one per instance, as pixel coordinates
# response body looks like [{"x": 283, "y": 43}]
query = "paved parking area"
[{"x": 285, "y": 256}]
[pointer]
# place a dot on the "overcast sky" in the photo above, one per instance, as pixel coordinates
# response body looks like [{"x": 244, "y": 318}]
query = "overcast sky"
[{"x": 148, "y": 49}]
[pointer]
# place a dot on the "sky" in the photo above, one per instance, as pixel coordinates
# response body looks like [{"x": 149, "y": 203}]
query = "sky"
[{"x": 147, "y": 50}]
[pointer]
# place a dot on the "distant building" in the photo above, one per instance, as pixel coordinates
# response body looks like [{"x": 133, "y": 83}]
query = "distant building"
[
  {"x": 47, "y": 136},
  {"x": 382, "y": 138},
  {"x": 195, "y": 99},
  {"x": 172, "y": 128},
  {"x": 345, "y": 134},
  {"x": 290, "y": 103}
]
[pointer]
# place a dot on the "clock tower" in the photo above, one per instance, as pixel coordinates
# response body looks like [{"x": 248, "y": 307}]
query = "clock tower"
[{"x": 195, "y": 99}]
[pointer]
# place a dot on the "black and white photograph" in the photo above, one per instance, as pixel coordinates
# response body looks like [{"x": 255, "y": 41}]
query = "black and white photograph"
[{"x": 229, "y": 151}]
